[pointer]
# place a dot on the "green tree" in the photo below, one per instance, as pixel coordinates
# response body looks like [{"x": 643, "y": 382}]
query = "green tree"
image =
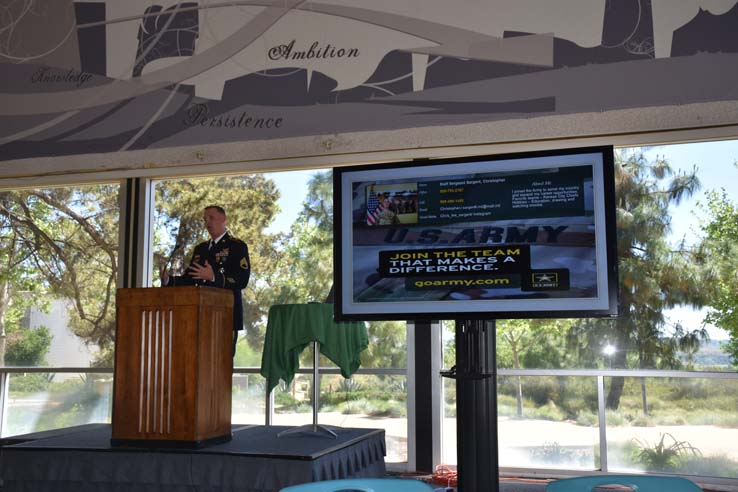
[
  {"x": 306, "y": 273},
  {"x": 27, "y": 347},
  {"x": 720, "y": 246},
  {"x": 387, "y": 345},
  {"x": 654, "y": 274},
  {"x": 520, "y": 336},
  {"x": 318, "y": 205},
  {"x": 18, "y": 277},
  {"x": 63, "y": 244}
]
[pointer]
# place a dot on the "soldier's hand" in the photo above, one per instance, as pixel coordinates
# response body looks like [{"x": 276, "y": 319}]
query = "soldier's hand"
[{"x": 201, "y": 272}]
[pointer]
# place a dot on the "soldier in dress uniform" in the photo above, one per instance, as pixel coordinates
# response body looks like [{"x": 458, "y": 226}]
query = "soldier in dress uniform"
[{"x": 221, "y": 262}]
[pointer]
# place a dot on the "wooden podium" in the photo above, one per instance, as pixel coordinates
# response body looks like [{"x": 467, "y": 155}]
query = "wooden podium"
[{"x": 173, "y": 367}]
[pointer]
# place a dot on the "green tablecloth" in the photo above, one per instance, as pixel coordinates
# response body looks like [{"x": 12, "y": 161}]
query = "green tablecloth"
[{"x": 292, "y": 327}]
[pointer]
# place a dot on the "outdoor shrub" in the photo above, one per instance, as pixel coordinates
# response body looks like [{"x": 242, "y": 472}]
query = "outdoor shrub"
[
  {"x": 552, "y": 453},
  {"x": 691, "y": 389},
  {"x": 575, "y": 406},
  {"x": 303, "y": 408},
  {"x": 541, "y": 390},
  {"x": 507, "y": 411},
  {"x": 356, "y": 406},
  {"x": 31, "y": 382},
  {"x": 670, "y": 419},
  {"x": 665, "y": 455},
  {"x": 335, "y": 398},
  {"x": 709, "y": 466},
  {"x": 506, "y": 400},
  {"x": 548, "y": 412},
  {"x": 642, "y": 421},
  {"x": 655, "y": 404},
  {"x": 720, "y": 418},
  {"x": 506, "y": 386},
  {"x": 348, "y": 386},
  {"x": 622, "y": 455},
  {"x": 284, "y": 402},
  {"x": 587, "y": 418},
  {"x": 615, "y": 418},
  {"x": 74, "y": 407},
  {"x": 386, "y": 409}
]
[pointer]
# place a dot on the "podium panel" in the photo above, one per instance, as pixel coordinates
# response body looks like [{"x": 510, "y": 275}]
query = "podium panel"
[{"x": 173, "y": 366}]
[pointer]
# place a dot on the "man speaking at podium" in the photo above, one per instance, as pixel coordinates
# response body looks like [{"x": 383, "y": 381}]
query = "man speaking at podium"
[{"x": 221, "y": 262}]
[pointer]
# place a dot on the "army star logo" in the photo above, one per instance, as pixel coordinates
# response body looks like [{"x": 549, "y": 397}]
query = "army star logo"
[
  {"x": 545, "y": 277},
  {"x": 545, "y": 280}
]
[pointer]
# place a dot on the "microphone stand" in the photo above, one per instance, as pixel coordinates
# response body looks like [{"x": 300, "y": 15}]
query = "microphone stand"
[{"x": 167, "y": 264}]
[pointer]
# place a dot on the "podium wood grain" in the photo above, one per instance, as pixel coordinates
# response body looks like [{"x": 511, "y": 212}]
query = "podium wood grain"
[{"x": 173, "y": 366}]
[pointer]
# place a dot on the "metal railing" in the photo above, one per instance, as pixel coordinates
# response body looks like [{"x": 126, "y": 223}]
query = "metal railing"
[
  {"x": 5, "y": 373},
  {"x": 725, "y": 483},
  {"x": 715, "y": 483}
]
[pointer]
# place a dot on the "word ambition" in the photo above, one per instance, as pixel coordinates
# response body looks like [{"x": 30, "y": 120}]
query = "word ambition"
[{"x": 314, "y": 52}]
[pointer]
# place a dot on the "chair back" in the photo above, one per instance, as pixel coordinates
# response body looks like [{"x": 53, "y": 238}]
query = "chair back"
[
  {"x": 362, "y": 485},
  {"x": 639, "y": 483}
]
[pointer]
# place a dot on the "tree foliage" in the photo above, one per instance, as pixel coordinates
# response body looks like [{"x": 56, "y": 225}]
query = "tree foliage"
[
  {"x": 721, "y": 246},
  {"x": 522, "y": 337},
  {"x": 62, "y": 243},
  {"x": 655, "y": 275},
  {"x": 306, "y": 273},
  {"x": 531, "y": 343},
  {"x": 27, "y": 347}
]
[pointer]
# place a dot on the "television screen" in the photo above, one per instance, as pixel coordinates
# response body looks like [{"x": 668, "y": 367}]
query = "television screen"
[{"x": 499, "y": 236}]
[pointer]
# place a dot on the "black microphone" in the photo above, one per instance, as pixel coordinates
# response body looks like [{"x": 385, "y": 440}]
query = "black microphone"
[
  {"x": 167, "y": 263},
  {"x": 171, "y": 254}
]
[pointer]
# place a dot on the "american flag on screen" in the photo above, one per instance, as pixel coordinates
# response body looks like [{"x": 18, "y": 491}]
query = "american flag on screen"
[{"x": 373, "y": 208}]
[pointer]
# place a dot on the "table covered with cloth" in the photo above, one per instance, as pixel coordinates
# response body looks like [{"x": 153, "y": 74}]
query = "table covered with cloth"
[{"x": 292, "y": 327}]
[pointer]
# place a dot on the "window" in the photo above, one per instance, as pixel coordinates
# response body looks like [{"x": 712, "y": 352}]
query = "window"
[
  {"x": 286, "y": 219},
  {"x": 676, "y": 236},
  {"x": 59, "y": 249}
]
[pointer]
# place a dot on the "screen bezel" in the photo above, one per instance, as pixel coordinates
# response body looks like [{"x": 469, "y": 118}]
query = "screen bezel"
[{"x": 611, "y": 263}]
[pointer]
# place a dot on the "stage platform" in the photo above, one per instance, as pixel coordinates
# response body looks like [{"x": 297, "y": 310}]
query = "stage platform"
[{"x": 80, "y": 459}]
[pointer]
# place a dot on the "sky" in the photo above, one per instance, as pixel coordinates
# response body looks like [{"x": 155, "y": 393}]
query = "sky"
[
  {"x": 292, "y": 187},
  {"x": 714, "y": 161},
  {"x": 715, "y": 169}
]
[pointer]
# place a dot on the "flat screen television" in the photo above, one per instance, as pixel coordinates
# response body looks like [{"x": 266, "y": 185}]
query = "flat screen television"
[{"x": 485, "y": 237}]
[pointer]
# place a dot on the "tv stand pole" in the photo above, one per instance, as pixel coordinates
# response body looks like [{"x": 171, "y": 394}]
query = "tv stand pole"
[{"x": 476, "y": 405}]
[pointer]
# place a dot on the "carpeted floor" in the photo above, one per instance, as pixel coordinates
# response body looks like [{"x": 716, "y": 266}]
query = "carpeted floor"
[
  {"x": 512, "y": 485},
  {"x": 520, "y": 486},
  {"x": 507, "y": 485}
]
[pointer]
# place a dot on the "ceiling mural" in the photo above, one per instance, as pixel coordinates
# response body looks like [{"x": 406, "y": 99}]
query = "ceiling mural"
[{"x": 109, "y": 76}]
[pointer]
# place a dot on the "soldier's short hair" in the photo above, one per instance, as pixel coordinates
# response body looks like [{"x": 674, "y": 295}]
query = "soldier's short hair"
[{"x": 217, "y": 207}]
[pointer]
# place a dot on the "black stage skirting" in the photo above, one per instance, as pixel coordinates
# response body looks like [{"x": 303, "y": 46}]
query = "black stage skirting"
[{"x": 80, "y": 459}]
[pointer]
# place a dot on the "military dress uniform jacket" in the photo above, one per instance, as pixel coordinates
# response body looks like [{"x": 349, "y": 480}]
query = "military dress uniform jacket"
[{"x": 229, "y": 258}]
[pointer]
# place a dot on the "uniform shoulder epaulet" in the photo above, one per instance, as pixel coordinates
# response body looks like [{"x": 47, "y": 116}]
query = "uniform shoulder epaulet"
[{"x": 233, "y": 238}]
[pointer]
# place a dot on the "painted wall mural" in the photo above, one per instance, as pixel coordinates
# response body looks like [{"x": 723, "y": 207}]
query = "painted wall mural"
[{"x": 83, "y": 77}]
